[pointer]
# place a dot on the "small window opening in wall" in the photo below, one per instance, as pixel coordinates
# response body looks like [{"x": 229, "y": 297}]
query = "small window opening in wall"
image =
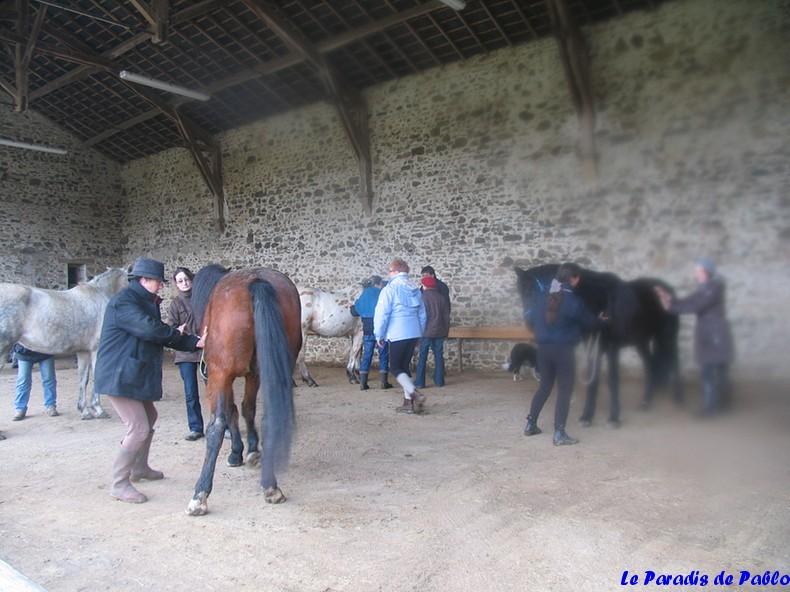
[{"x": 77, "y": 273}]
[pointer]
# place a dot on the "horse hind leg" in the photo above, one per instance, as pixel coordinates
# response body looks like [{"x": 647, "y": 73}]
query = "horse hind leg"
[
  {"x": 236, "y": 456},
  {"x": 248, "y": 412},
  {"x": 300, "y": 363},
  {"x": 215, "y": 434},
  {"x": 83, "y": 370}
]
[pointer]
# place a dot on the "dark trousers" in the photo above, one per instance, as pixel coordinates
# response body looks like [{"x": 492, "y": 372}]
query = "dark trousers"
[
  {"x": 188, "y": 372},
  {"x": 369, "y": 346},
  {"x": 555, "y": 363},
  {"x": 437, "y": 345},
  {"x": 401, "y": 353},
  {"x": 715, "y": 387}
]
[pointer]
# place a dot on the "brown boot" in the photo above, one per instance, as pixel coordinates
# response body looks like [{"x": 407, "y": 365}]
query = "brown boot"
[
  {"x": 418, "y": 399},
  {"x": 140, "y": 468},
  {"x": 406, "y": 407},
  {"x": 121, "y": 469}
]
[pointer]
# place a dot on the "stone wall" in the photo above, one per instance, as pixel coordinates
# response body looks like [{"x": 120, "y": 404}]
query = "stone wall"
[
  {"x": 55, "y": 209},
  {"x": 475, "y": 170}
]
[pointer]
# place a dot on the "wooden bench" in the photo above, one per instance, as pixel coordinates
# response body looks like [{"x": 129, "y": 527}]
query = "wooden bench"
[{"x": 498, "y": 332}]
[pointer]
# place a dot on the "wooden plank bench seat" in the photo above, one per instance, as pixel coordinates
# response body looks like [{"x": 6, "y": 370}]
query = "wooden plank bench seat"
[{"x": 497, "y": 332}]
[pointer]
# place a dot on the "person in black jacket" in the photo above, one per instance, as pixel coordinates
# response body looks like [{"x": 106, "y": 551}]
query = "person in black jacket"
[
  {"x": 558, "y": 321},
  {"x": 26, "y": 359},
  {"x": 129, "y": 370}
]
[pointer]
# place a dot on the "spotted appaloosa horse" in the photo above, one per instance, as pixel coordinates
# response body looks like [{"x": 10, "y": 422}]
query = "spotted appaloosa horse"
[
  {"x": 251, "y": 321},
  {"x": 61, "y": 322},
  {"x": 328, "y": 314}
]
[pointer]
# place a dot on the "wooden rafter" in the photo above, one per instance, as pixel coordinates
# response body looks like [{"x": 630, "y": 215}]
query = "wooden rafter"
[
  {"x": 278, "y": 64},
  {"x": 145, "y": 10},
  {"x": 161, "y": 9},
  {"x": 81, "y": 72},
  {"x": 22, "y": 23},
  {"x": 576, "y": 63},
  {"x": 204, "y": 149},
  {"x": 349, "y": 102},
  {"x": 6, "y": 86}
]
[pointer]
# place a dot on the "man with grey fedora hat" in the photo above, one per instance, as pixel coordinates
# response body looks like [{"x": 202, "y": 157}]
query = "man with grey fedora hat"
[{"x": 129, "y": 370}]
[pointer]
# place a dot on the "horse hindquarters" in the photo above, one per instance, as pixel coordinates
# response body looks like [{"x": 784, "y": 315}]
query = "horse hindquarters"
[{"x": 275, "y": 367}]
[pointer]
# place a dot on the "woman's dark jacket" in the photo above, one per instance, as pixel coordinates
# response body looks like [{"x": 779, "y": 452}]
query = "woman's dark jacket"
[
  {"x": 129, "y": 361},
  {"x": 572, "y": 321},
  {"x": 437, "y": 310},
  {"x": 28, "y": 355},
  {"x": 712, "y": 337},
  {"x": 180, "y": 313}
]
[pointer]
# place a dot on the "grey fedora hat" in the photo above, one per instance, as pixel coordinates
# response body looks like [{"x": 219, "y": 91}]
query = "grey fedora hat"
[{"x": 148, "y": 268}]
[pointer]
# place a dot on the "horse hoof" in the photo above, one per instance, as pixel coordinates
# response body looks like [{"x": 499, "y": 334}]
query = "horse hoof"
[
  {"x": 86, "y": 415},
  {"x": 235, "y": 461},
  {"x": 198, "y": 506},
  {"x": 585, "y": 423},
  {"x": 273, "y": 495},
  {"x": 253, "y": 459},
  {"x": 101, "y": 414}
]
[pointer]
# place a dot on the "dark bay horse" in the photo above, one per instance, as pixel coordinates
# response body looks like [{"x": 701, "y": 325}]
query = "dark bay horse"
[
  {"x": 252, "y": 323},
  {"x": 636, "y": 318}
]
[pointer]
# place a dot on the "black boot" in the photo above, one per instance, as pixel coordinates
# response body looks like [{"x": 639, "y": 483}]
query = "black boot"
[
  {"x": 384, "y": 383},
  {"x": 563, "y": 439},
  {"x": 532, "y": 428},
  {"x": 363, "y": 381}
]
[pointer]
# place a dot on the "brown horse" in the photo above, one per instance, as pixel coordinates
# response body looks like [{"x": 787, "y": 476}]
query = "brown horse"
[{"x": 253, "y": 329}]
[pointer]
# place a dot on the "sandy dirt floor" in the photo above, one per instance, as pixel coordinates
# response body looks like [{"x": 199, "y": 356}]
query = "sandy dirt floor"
[{"x": 456, "y": 500}]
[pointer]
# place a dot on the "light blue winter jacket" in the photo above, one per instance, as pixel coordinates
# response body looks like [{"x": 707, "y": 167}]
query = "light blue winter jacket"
[{"x": 400, "y": 312}]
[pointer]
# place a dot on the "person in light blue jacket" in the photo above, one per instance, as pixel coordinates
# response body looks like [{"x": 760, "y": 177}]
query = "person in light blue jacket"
[{"x": 400, "y": 320}]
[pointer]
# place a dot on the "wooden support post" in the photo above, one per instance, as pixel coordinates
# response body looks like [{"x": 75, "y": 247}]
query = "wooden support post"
[
  {"x": 575, "y": 60},
  {"x": 349, "y": 102},
  {"x": 22, "y": 22}
]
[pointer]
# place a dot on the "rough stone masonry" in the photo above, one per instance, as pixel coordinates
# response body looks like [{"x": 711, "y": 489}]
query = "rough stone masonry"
[{"x": 475, "y": 171}]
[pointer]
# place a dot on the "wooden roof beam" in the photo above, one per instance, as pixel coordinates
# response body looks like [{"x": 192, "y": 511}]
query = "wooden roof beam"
[
  {"x": 22, "y": 23},
  {"x": 278, "y": 64},
  {"x": 349, "y": 102},
  {"x": 81, "y": 72},
  {"x": 575, "y": 60}
]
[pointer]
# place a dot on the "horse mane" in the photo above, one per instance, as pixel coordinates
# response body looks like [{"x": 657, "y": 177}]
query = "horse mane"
[
  {"x": 107, "y": 279},
  {"x": 202, "y": 285}
]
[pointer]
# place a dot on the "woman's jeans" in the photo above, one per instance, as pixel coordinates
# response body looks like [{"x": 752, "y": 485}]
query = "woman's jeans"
[
  {"x": 188, "y": 372},
  {"x": 437, "y": 345},
  {"x": 368, "y": 347},
  {"x": 715, "y": 387},
  {"x": 24, "y": 380}
]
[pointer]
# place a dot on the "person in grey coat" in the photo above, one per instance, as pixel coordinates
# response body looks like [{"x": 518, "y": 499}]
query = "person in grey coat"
[
  {"x": 713, "y": 344},
  {"x": 129, "y": 370}
]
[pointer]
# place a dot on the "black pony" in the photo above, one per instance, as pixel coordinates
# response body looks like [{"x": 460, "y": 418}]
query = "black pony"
[{"x": 636, "y": 318}]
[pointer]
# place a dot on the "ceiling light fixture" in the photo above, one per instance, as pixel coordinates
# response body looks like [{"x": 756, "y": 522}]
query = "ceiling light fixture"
[
  {"x": 454, "y": 4},
  {"x": 165, "y": 86},
  {"x": 27, "y": 146}
]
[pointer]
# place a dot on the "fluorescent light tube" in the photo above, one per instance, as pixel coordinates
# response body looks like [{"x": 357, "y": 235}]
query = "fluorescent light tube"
[
  {"x": 27, "y": 146},
  {"x": 165, "y": 86},
  {"x": 454, "y": 4}
]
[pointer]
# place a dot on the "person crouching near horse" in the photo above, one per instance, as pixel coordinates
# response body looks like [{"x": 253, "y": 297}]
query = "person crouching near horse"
[
  {"x": 25, "y": 359},
  {"x": 558, "y": 322},
  {"x": 179, "y": 315},
  {"x": 129, "y": 370},
  {"x": 365, "y": 307},
  {"x": 713, "y": 345},
  {"x": 400, "y": 320}
]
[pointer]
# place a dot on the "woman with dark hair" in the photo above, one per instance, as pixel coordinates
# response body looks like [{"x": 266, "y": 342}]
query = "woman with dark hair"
[
  {"x": 558, "y": 322},
  {"x": 180, "y": 315}
]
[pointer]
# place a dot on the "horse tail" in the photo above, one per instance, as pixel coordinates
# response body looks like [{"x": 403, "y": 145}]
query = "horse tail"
[
  {"x": 202, "y": 285},
  {"x": 274, "y": 366}
]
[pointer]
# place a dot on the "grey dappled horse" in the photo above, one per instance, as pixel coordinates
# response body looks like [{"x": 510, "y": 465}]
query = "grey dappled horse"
[{"x": 61, "y": 322}]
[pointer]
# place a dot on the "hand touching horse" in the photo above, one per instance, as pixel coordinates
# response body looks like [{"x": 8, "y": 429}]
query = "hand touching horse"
[
  {"x": 61, "y": 322},
  {"x": 251, "y": 321}
]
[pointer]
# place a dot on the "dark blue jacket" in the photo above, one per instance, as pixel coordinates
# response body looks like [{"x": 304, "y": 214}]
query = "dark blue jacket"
[
  {"x": 129, "y": 361},
  {"x": 365, "y": 307},
  {"x": 28, "y": 355},
  {"x": 573, "y": 320}
]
